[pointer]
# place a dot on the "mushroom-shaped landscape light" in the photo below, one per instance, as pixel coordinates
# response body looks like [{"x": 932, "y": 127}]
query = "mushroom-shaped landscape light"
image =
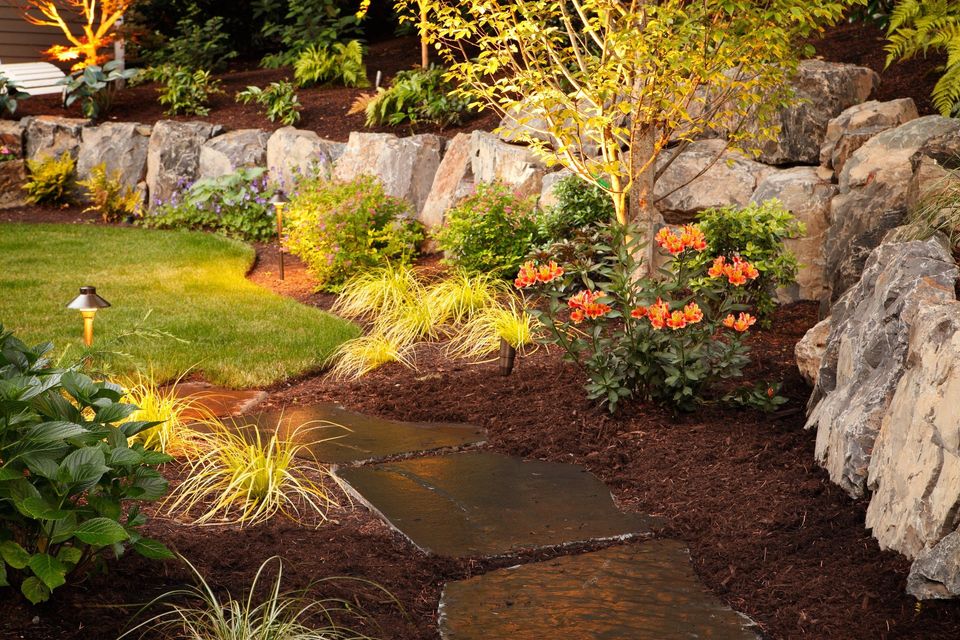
[
  {"x": 278, "y": 201},
  {"x": 87, "y": 304}
]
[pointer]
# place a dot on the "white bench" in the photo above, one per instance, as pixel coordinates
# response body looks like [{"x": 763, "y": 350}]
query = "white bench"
[{"x": 35, "y": 78}]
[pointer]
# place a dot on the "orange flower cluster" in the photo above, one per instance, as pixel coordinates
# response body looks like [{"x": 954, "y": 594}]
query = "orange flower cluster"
[
  {"x": 740, "y": 323},
  {"x": 690, "y": 237},
  {"x": 660, "y": 315},
  {"x": 530, "y": 274},
  {"x": 585, "y": 305},
  {"x": 737, "y": 271}
]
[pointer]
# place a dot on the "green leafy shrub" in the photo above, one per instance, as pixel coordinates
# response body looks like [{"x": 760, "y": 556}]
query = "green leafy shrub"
[
  {"x": 756, "y": 233},
  {"x": 580, "y": 205},
  {"x": 196, "y": 45},
  {"x": 294, "y": 25},
  {"x": 917, "y": 26},
  {"x": 108, "y": 195},
  {"x": 669, "y": 339},
  {"x": 10, "y": 94},
  {"x": 185, "y": 91},
  {"x": 417, "y": 95},
  {"x": 279, "y": 98},
  {"x": 67, "y": 475},
  {"x": 52, "y": 180},
  {"x": 236, "y": 204},
  {"x": 341, "y": 228},
  {"x": 95, "y": 87},
  {"x": 338, "y": 63},
  {"x": 490, "y": 231}
]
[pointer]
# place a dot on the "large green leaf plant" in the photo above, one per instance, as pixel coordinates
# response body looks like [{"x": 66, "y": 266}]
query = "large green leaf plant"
[{"x": 69, "y": 480}]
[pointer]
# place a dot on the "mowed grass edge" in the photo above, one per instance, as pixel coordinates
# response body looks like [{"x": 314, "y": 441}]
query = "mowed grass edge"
[{"x": 194, "y": 285}]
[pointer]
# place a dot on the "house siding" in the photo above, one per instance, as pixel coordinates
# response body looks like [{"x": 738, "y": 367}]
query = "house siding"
[{"x": 21, "y": 41}]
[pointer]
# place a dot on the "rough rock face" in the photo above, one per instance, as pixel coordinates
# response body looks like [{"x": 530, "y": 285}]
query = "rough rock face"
[
  {"x": 452, "y": 182},
  {"x": 809, "y": 351},
  {"x": 493, "y": 160},
  {"x": 872, "y": 200},
  {"x": 292, "y": 152},
  {"x": 52, "y": 136},
  {"x": 728, "y": 180},
  {"x": 231, "y": 151},
  {"x": 807, "y": 197},
  {"x": 173, "y": 156},
  {"x": 847, "y": 132},
  {"x": 548, "y": 197},
  {"x": 915, "y": 466},
  {"x": 865, "y": 352},
  {"x": 936, "y": 571},
  {"x": 823, "y": 91},
  {"x": 122, "y": 146},
  {"x": 13, "y": 173},
  {"x": 405, "y": 166},
  {"x": 11, "y": 135}
]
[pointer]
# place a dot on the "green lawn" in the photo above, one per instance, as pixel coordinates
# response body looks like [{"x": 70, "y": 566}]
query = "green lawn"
[{"x": 237, "y": 334}]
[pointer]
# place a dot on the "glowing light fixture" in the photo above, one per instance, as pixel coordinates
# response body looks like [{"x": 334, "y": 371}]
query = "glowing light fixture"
[
  {"x": 87, "y": 304},
  {"x": 278, "y": 202}
]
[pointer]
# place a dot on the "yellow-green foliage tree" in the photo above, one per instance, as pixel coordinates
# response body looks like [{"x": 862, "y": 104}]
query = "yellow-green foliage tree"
[{"x": 614, "y": 82}]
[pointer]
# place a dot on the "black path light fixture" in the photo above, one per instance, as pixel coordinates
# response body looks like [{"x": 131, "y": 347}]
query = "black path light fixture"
[
  {"x": 87, "y": 304},
  {"x": 278, "y": 202}
]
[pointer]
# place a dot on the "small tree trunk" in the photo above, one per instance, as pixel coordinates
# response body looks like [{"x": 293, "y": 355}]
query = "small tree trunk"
[
  {"x": 643, "y": 213},
  {"x": 424, "y": 44}
]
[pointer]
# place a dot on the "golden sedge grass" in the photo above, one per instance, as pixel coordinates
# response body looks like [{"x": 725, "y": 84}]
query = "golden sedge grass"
[
  {"x": 279, "y": 616},
  {"x": 378, "y": 292},
  {"x": 360, "y": 356},
  {"x": 173, "y": 436},
  {"x": 460, "y": 295},
  {"x": 480, "y": 336},
  {"x": 245, "y": 477}
]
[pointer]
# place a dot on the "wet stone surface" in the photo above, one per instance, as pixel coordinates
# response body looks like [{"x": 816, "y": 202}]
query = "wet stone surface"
[
  {"x": 343, "y": 437},
  {"x": 480, "y": 504},
  {"x": 217, "y": 401},
  {"x": 644, "y": 591}
]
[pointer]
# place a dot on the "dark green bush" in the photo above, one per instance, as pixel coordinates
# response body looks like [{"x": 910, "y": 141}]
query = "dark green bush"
[
  {"x": 580, "y": 205},
  {"x": 69, "y": 482},
  {"x": 196, "y": 45},
  {"x": 279, "y": 100},
  {"x": 293, "y": 25},
  {"x": 184, "y": 90},
  {"x": 341, "y": 228}
]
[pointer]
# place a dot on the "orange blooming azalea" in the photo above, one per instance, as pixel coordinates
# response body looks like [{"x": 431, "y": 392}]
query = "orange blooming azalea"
[
  {"x": 584, "y": 304},
  {"x": 548, "y": 272},
  {"x": 530, "y": 274},
  {"x": 577, "y": 316},
  {"x": 638, "y": 313},
  {"x": 689, "y": 237},
  {"x": 740, "y": 323},
  {"x": 658, "y": 314},
  {"x": 677, "y": 320},
  {"x": 738, "y": 271},
  {"x": 692, "y": 313}
]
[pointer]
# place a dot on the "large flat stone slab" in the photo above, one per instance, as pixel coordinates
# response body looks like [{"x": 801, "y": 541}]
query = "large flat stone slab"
[
  {"x": 216, "y": 401},
  {"x": 643, "y": 591},
  {"x": 342, "y": 437},
  {"x": 481, "y": 504}
]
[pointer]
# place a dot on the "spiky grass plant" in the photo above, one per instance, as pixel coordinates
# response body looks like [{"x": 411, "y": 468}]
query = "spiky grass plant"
[
  {"x": 280, "y": 615},
  {"x": 480, "y": 336},
  {"x": 462, "y": 294},
  {"x": 378, "y": 292},
  {"x": 937, "y": 211},
  {"x": 358, "y": 357},
  {"x": 164, "y": 404},
  {"x": 245, "y": 477}
]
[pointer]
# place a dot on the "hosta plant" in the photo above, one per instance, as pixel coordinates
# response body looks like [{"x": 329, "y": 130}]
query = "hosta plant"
[
  {"x": 95, "y": 87},
  {"x": 10, "y": 93},
  {"x": 667, "y": 340},
  {"x": 70, "y": 482}
]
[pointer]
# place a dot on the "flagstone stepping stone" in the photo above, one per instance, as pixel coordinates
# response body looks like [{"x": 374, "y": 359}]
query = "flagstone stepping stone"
[
  {"x": 642, "y": 591},
  {"x": 480, "y": 504},
  {"x": 343, "y": 437},
  {"x": 217, "y": 401}
]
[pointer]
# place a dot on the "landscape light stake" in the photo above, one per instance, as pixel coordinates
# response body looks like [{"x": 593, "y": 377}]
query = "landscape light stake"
[
  {"x": 508, "y": 354},
  {"x": 278, "y": 203},
  {"x": 87, "y": 304}
]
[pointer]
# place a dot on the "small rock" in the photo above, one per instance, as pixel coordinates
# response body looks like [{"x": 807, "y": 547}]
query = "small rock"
[{"x": 810, "y": 349}]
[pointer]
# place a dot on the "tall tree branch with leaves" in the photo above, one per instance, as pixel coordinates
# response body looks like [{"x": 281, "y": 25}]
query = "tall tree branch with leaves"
[
  {"x": 97, "y": 23},
  {"x": 616, "y": 83}
]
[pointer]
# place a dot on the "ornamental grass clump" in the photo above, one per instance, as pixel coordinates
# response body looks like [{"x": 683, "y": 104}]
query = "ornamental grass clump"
[
  {"x": 667, "y": 340},
  {"x": 480, "y": 336},
  {"x": 358, "y": 357},
  {"x": 245, "y": 477},
  {"x": 173, "y": 412}
]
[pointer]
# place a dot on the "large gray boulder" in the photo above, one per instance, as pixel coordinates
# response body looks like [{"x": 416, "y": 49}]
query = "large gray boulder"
[
  {"x": 51, "y": 136},
  {"x": 493, "y": 160},
  {"x": 173, "y": 156},
  {"x": 873, "y": 189},
  {"x": 11, "y": 135},
  {"x": 851, "y": 129},
  {"x": 914, "y": 471},
  {"x": 405, "y": 166},
  {"x": 293, "y": 152},
  {"x": 548, "y": 194},
  {"x": 705, "y": 175},
  {"x": 807, "y": 196},
  {"x": 452, "y": 182},
  {"x": 13, "y": 174},
  {"x": 866, "y": 350},
  {"x": 224, "y": 154},
  {"x": 122, "y": 146},
  {"x": 823, "y": 91},
  {"x": 935, "y": 574}
]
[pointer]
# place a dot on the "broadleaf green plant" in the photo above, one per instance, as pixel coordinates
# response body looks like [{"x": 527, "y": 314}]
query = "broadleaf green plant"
[
  {"x": 95, "y": 87},
  {"x": 67, "y": 474},
  {"x": 279, "y": 99}
]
